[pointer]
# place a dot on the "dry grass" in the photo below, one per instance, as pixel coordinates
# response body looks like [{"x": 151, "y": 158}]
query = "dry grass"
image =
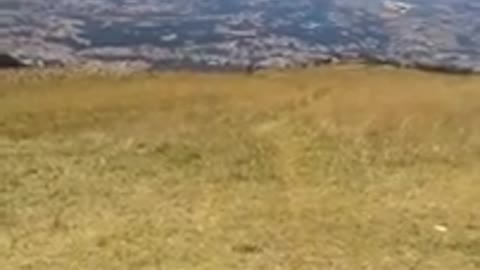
[{"x": 337, "y": 168}]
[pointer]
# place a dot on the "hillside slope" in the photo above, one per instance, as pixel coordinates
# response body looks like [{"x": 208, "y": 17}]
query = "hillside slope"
[{"x": 336, "y": 168}]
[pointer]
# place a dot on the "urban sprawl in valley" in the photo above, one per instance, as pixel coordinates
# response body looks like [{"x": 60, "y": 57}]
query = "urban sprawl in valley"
[{"x": 241, "y": 33}]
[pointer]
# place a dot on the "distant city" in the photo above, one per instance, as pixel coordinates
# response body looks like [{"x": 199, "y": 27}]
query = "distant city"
[{"x": 165, "y": 34}]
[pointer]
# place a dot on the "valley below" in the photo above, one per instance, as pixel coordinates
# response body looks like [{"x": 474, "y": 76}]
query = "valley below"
[{"x": 219, "y": 34}]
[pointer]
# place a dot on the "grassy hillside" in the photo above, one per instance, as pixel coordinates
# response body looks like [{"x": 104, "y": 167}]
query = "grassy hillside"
[{"x": 339, "y": 168}]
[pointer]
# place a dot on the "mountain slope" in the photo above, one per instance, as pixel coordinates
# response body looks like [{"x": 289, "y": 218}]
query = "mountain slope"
[{"x": 337, "y": 168}]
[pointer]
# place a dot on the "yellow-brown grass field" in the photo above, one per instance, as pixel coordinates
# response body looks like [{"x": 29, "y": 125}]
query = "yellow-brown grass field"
[{"x": 339, "y": 168}]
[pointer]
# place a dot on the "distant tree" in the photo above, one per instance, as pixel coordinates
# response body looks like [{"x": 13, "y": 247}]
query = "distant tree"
[
  {"x": 251, "y": 68},
  {"x": 8, "y": 61}
]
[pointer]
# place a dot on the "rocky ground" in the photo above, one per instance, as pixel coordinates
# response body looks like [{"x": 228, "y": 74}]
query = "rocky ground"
[{"x": 234, "y": 33}]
